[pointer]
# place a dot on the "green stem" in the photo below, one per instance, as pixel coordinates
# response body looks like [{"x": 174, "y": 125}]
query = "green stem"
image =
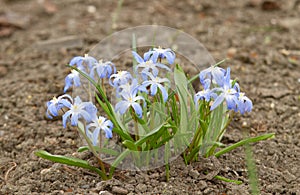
[
  {"x": 102, "y": 86},
  {"x": 89, "y": 92},
  {"x": 91, "y": 147},
  {"x": 252, "y": 172},
  {"x": 167, "y": 166},
  {"x": 136, "y": 130},
  {"x": 228, "y": 180},
  {"x": 115, "y": 16},
  {"x": 193, "y": 145},
  {"x": 136, "y": 127},
  {"x": 226, "y": 125}
]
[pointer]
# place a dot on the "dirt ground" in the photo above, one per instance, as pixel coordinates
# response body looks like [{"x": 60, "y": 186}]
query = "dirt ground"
[{"x": 38, "y": 37}]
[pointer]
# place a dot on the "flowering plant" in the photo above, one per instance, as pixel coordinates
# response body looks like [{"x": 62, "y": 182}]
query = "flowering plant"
[{"x": 157, "y": 114}]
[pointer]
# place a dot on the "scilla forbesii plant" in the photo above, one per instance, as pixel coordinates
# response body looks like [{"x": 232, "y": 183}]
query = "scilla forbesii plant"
[{"x": 156, "y": 107}]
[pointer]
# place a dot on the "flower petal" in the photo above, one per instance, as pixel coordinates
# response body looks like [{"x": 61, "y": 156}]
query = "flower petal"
[
  {"x": 95, "y": 136},
  {"x": 137, "y": 57},
  {"x": 217, "y": 101},
  {"x": 138, "y": 109}
]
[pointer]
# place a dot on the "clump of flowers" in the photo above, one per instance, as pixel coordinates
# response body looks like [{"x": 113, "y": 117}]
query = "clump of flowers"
[{"x": 157, "y": 116}]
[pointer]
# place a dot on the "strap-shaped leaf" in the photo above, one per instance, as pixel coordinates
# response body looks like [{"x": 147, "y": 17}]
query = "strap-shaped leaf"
[
  {"x": 243, "y": 142},
  {"x": 130, "y": 145},
  {"x": 181, "y": 86},
  {"x": 69, "y": 161}
]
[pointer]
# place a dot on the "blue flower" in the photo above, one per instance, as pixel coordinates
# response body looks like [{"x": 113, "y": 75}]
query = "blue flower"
[
  {"x": 72, "y": 79},
  {"x": 214, "y": 73},
  {"x": 122, "y": 77},
  {"x": 206, "y": 94},
  {"x": 157, "y": 82},
  {"x": 244, "y": 103},
  {"x": 129, "y": 100},
  {"x": 130, "y": 86},
  {"x": 148, "y": 65},
  {"x": 227, "y": 93},
  {"x": 100, "y": 123},
  {"x": 79, "y": 109},
  {"x": 79, "y": 61},
  {"x": 103, "y": 69},
  {"x": 56, "y": 104},
  {"x": 160, "y": 53}
]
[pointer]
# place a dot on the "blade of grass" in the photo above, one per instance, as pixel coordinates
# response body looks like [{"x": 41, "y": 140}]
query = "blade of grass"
[
  {"x": 71, "y": 161},
  {"x": 115, "y": 16},
  {"x": 243, "y": 142}
]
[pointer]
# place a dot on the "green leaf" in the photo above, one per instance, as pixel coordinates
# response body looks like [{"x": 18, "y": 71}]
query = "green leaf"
[
  {"x": 192, "y": 154},
  {"x": 245, "y": 141},
  {"x": 216, "y": 127},
  {"x": 188, "y": 116},
  {"x": 228, "y": 180},
  {"x": 148, "y": 135},
  {"x": 130, "y": 145},
  {"x": 69, "y": 161},
  {"x": 181, "y": 86}
]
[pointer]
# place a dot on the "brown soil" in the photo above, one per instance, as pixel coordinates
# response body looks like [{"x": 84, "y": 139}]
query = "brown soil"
[{"x": 260, "y": 38}]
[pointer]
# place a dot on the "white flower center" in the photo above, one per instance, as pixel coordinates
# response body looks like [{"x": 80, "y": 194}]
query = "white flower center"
[
  {"x": 121, "y": 73},
  {"x": 75, "y": 108},
  {"x": 241, "y": 95},
  {"x": 130, "y": 99},
  {"x": 159, "y": 49},
  {"x": 149, "y": 62},
  {"x": 55, "y": 100},
  {"x": 100, "y": 121}
]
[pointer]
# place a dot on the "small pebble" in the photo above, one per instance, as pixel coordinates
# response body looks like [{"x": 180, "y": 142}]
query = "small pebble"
[
  {"x": 119, "y": 190},
  {"x": 154, "y": 175},
  {"x": 141, "y": 187},
  {"x": 45, "y": 171},
  {"x": 91, "y": 9},
  {"x": 194, "y": 173},
  {"x": 202, "y": 185},
  {"x": 3, "y": 71},
  {"x": 288, "y": 177},
  {"x": 244, "y": 124},
  {"x": 85, "y": 186}
]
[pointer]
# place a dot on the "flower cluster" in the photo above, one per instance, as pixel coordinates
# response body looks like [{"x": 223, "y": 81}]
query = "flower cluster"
[
  {"x": 132, "y": 89},
  {"x": 148, "y": 104},
  {"x": 224, "y": 89},
  {"x": 128, "y": 89},
  {"x": 103, "y": 70},
  {"x": 74, "y": 109}
]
